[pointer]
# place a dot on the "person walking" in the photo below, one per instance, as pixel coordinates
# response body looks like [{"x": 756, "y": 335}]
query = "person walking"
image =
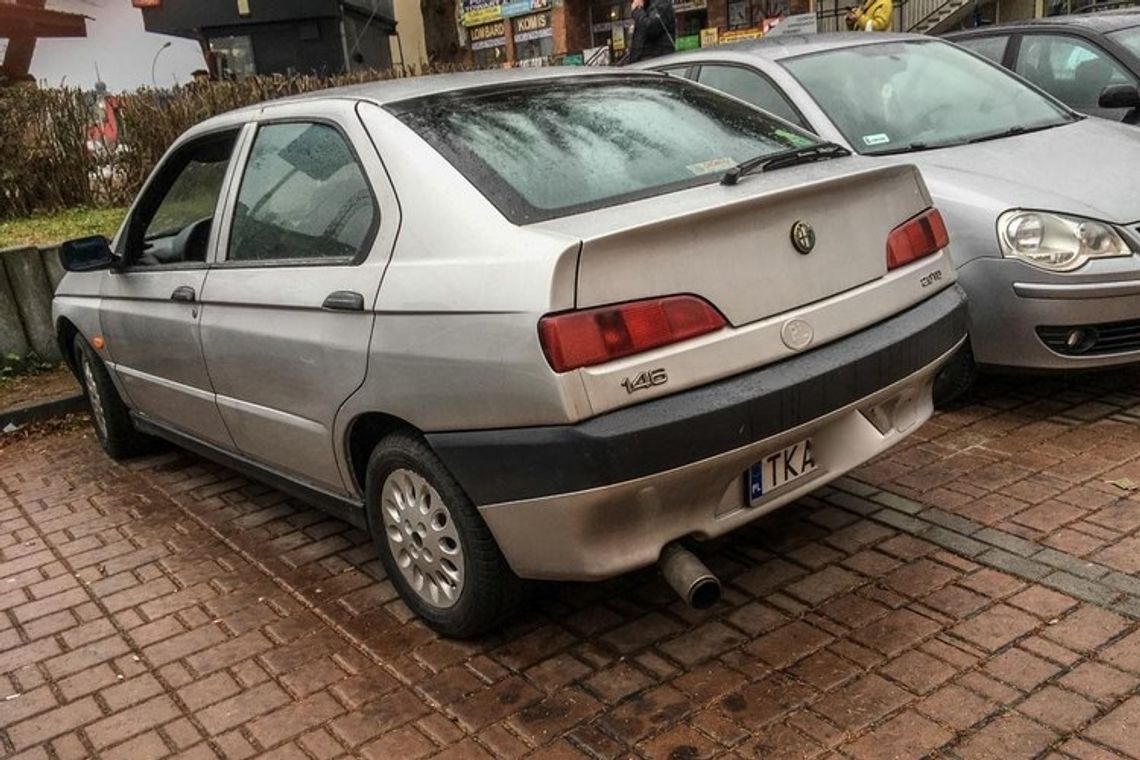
[
  {"x": 871, "y": 16},
  {"x": 654, "y": 29}
]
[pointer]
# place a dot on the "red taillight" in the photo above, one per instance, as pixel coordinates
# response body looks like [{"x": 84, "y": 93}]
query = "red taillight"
[
  {"x": 592, "y": 336},
  {"x": 921, "y": 236}
]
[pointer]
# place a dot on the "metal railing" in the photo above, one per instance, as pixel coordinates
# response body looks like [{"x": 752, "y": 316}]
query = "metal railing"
[{"x": 906, "y": 16}]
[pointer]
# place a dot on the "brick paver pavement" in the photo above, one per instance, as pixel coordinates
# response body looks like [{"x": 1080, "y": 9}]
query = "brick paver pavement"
[{"x": 971, "y": 594}]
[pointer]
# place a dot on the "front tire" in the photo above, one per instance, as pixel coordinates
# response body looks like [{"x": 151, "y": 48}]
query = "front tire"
[
  {"x": 436, "y": 548},
  {"x": 110, "y": 416}
]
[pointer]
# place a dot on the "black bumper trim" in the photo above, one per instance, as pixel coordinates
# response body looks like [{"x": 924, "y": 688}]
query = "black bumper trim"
[{"x": 496, "y": 466}]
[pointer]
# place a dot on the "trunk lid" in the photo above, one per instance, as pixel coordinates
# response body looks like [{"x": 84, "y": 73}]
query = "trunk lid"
[{"x": 734, "y": 245}]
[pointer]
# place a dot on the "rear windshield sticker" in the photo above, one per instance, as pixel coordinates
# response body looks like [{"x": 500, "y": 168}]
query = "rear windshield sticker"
[
  {"x": 710, "y": 166},
  {"x": 876, "y": 139}
]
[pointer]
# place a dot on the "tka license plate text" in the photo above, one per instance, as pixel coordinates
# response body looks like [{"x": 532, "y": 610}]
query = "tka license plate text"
[{"x": 779, "y": 469}]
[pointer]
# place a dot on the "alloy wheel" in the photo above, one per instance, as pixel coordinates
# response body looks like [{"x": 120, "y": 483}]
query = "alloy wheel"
[
  {"x": 422, "y": 537},
  {"x": 96, "y": 399}
]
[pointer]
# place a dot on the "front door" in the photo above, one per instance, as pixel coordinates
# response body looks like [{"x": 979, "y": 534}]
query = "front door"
[
  {"x": 287, "y": 309},
  {"x": 151, "y": 309}
]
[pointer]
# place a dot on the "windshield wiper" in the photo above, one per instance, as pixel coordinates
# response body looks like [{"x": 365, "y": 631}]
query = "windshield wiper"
[
  {"x": 908, "y": 148},
  {"x": 1014, "y": 131},
  {"x": 793, "y": 157}
]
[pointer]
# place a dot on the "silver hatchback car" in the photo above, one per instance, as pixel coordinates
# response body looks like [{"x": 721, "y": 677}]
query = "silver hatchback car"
[{"x": 527, "y": 325}]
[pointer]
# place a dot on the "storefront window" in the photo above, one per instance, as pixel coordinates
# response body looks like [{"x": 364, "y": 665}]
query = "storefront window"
[
  {"x": 534, "y": 37},
  {"x": 611, "y": 25},
  {"x": 234, "y": 56},
  {"x": 489, "y": 44}
]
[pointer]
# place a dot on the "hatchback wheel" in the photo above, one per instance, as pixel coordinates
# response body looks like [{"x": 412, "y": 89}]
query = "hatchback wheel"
[
  {"x": 110, "y": 416},
  {"x": 435, "y": 547}
]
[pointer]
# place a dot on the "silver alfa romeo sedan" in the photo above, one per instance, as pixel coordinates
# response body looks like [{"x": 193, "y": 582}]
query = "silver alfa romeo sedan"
[
  {"x": 524, "y": 325},
  {"x": 1041, "y": 202}
]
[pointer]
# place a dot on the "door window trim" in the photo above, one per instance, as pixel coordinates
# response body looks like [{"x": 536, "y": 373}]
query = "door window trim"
[
  {"x": 219, "y": 206},
  {"x": 221, "y": 259}
]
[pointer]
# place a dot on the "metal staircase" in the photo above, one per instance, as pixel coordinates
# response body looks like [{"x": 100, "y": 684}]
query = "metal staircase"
[{"x": 918, "y": 16}]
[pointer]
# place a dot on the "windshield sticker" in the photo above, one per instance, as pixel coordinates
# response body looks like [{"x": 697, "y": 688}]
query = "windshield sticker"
[
  {"x": 876, "y": 139},
  {"x": 710, "y": 166},
  {"x": 797, "y": 141}
]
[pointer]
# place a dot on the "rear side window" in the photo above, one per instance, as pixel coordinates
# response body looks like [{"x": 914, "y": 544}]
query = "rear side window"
[
  {"x": 553, "y": 148},
  {"x": 751, "y": 87},
  {"x": 987, "y": 47},
  {"x": 303, "y": 196}
]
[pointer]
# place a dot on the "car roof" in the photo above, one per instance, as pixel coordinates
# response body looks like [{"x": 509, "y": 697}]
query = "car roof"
[
  {"x": 388, "y": 91},
  {"x": 1103, "y": 21},
  {"x": 778, "y": 47}
]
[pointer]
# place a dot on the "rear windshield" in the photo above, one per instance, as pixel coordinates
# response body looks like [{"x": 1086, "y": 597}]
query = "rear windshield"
[{"x": 555, "y": 148}]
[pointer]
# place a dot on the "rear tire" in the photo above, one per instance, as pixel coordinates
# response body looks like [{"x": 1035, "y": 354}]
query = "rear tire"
[
  {"x": 112, "y": 420},
  {"x": 438, "y": 552},
  {"x": 955, "y": 378}
]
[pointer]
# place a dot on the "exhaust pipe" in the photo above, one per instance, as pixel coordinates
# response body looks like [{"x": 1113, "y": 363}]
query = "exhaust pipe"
[{"x": 689, "y": 577}]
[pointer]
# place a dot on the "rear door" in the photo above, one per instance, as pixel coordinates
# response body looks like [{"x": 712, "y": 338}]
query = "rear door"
[
  {"x": 288, "y": 305},
  {"x": 991, "y": 46},
  {"x": 151, "y": 310}
]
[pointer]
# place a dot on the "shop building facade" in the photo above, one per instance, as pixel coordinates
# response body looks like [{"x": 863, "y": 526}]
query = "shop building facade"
[{"x": 529, "y": 32}]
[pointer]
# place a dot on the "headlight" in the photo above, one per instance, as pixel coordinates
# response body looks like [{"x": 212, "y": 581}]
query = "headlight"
[{"x": 1057, "y": 242}]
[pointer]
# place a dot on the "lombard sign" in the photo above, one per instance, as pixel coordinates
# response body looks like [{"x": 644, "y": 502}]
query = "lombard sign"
[
  {"x": 477, "y": 12},
  {"x": 489, "y": 35}
]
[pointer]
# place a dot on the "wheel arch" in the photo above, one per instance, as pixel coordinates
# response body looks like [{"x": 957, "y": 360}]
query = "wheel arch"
[
  {"x": 65, "y": 333},
  {"x": 364, "y": 433}
]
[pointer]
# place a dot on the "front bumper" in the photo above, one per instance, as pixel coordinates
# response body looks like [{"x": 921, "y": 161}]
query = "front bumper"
[
  {"x": 600, "y": 498},
  {"x": 1012, "y": 304}
]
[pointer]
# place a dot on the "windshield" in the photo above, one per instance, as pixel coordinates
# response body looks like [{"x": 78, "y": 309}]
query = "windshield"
[
  {"x": 900, "y": 96},
  {"x": 554, "y": 148},
  {"x": 1129, "y": 38}
]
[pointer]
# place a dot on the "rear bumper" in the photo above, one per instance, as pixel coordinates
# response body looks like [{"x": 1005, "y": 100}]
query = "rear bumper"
[{"x": 614, "y": 489}]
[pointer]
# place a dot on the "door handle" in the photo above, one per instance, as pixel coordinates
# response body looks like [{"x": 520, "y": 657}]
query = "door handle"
[
  {"x": 184, "y": 293},
  {"x": 344, "y": 300}
]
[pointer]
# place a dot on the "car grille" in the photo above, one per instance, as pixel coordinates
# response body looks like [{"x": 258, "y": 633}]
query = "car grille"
[{"x": 1092, "y": 340}]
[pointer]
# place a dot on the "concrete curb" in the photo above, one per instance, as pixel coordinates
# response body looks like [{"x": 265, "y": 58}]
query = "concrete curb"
[{"x": 41, "y": 412}]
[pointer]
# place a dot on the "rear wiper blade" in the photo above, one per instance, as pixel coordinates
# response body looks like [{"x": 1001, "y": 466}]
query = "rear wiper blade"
[{"x": 766, "y": 163}]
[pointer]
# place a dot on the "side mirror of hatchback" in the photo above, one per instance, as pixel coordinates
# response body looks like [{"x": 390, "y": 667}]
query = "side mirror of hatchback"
[
  {"x": 87, "y": 254},
  {"x": 1120, "y": 96}
]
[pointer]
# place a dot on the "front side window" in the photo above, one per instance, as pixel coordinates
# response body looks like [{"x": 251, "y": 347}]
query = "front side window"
[
  {"x": 1070, "y": 69},
  {"x": 553, "y": 148},
  {"x": 987, "y": 47},
  {"x": 750, "y": 87},
  {"x": 905, "y": 96},
  {"x": 173, "y": 218},
  {"x": 303, "y": 197}
]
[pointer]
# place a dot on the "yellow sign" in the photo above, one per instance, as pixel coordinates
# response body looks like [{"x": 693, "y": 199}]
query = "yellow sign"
[
  {"x": 709, "y": 36},
  {"x": 741, "y": 34},
  {"x": 483, "y": 15}
]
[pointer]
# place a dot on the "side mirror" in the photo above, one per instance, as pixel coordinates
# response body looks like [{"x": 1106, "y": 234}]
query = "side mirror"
[
  {"x": 1120, "y": 96},
  {"x": 87, "y": 254}
]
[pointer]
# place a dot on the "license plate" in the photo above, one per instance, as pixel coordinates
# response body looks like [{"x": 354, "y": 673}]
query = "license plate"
[{"x": 780, "y": 468}]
